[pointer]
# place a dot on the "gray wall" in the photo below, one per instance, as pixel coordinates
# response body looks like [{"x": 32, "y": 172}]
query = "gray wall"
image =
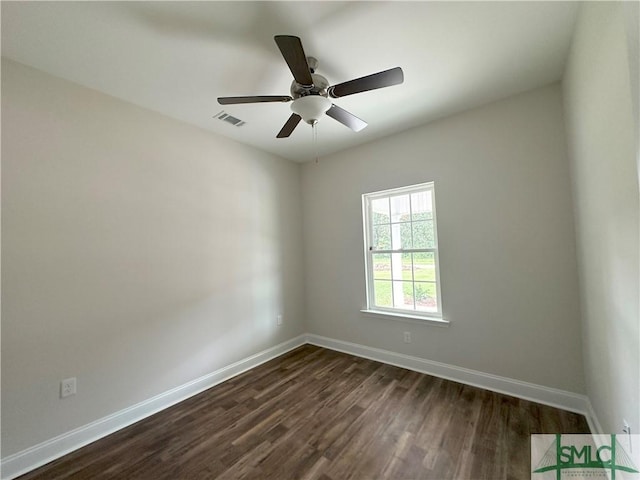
[
  {"x": 505, "y": 228},
  {"x": 603, "y": 140},
  {"x": 138, "y": 254}
]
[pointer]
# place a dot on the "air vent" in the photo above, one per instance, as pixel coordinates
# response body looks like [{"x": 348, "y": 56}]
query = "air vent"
[{"x": 225, "y": 117}]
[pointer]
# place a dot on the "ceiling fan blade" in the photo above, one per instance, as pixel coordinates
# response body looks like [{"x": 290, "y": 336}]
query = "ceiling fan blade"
[
  {"x": 264, "y": 98},
  {"x": 291, "y": 124},
  {"x": 349, "y": 119},
  {"x": 293, "y": 53},
  {"x": 393, "y": 76}
]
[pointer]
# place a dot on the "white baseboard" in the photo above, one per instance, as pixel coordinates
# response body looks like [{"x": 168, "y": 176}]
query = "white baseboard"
[
  {"x": 45, "y": 452},
  {"x": 592, "y": 420},
  {"x": 38, "y": 455},
  {"x": 562, "y": 399}
]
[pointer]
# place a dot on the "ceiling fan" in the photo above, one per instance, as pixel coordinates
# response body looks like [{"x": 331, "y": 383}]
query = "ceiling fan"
[{"x": 310, "y": 92}]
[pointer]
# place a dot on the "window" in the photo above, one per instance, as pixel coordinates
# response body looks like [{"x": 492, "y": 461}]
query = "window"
[{"x": 401, "y": 252}]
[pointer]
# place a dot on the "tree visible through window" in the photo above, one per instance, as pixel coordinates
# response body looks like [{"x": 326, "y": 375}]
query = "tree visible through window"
[{"x": 402, "y": 251}]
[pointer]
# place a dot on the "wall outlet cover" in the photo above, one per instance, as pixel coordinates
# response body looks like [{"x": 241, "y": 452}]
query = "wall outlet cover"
[{"x": 68, "y": 387}]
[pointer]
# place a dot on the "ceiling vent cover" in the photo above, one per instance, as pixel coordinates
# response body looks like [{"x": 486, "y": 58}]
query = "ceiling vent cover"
[{"x": 225, "y": 117}]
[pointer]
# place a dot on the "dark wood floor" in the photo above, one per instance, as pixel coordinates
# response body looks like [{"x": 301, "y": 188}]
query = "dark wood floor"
[{"x": 319, "y": 414}]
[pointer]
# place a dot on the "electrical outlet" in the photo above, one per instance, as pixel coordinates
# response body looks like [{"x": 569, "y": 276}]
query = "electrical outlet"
[
  {"x": 279, "y": 320},
  {"x": 68, "y": 387},
  {"x": 407, "y": 337}
]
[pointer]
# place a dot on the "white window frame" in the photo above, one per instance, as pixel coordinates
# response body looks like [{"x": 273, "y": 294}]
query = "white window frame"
[{"x": 402, "y": 313}]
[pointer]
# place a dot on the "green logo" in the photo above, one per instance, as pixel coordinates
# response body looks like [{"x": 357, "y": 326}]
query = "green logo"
[{"x": 581, "y": 455}]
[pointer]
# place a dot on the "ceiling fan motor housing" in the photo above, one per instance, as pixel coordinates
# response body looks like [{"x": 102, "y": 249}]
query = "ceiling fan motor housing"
[{"x": 319, "y": 87}]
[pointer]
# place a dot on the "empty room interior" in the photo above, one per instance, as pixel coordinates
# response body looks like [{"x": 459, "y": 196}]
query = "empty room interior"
[{"x": 222, "y": 257}]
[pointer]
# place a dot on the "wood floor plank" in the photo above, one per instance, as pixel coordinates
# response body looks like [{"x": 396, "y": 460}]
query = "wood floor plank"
[{"x": 317, "y": 414}]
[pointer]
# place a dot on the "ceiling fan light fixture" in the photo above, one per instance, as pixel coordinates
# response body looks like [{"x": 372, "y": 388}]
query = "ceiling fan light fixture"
[{"x": 311, "y": 107}]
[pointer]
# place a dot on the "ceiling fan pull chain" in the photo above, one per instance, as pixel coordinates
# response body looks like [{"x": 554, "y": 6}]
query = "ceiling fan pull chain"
[{"x": 314, "y": 129}]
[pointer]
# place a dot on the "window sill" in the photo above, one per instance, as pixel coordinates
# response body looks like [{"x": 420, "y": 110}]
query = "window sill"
[{"x": 403, "y": 317}]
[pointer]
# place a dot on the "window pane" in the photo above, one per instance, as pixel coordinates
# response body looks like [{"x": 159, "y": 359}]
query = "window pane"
[
  {"x": 400, "y": 209},
  {"x": 426, "y": 297},
  {"x": 380, "y": 210},
  {"x": 403, "y": 295},
  {"x": 421, "y": 206},
  {"x": 382, "y": 237},
  {"x": 405, "y": 235},
  {"x": 382, "y": 266},
  {"x": 397, "y": 266},
  {"x": 424, "y": 267},
  {"x": 382, "y": 293},
  {"x": 401, "y": 235},
  {"x": 407, "y": 267},
  {"x": 424, "y": 234}
]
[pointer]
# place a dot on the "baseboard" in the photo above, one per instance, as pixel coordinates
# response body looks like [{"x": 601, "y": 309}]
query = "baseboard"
[
  {"x": 38, "y": 455},
  {"x": 592, "y": 420},
  {"x": 562, "y": 399}
]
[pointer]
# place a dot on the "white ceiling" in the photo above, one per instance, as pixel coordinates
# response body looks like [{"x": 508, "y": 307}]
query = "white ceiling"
[{"x": 177, "y": 57}]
